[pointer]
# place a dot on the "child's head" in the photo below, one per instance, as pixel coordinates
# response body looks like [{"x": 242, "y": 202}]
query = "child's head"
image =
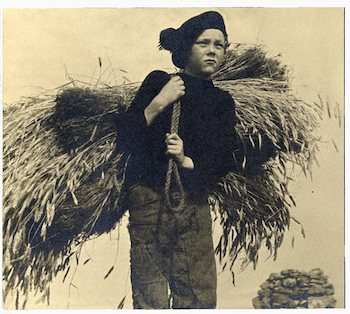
[
  {"x": 206, "y": 54},
  {"x": 198, "y": 46}
]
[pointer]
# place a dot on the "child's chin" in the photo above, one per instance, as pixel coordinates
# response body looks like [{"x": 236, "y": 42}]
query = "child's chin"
[
  {"x": 210, "y": 69},
  {"x": 209, "y": 73}
]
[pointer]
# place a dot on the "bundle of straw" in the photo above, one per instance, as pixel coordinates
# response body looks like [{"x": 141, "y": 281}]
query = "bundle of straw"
[
  {"x": 63, "y": 171},
  {"x": 251, "y": 61}
]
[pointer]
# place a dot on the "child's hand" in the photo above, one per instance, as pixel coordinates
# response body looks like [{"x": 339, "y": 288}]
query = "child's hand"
[
  {"x": 175, "y": 147},
  {"x": 171, "y": 91}
]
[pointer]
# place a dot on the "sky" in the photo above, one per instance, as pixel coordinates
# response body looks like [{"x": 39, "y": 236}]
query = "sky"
[{"x": 40, "y": 47}]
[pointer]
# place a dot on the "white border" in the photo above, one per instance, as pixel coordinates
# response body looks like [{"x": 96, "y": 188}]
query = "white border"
[
  {"x": 346, "y": 157},
  {"x": 169, "y": 3},
  {"x": 212, "y": 3}
]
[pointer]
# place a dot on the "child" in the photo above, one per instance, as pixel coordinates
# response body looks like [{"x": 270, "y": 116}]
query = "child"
[{"x": 173, "y": 247}]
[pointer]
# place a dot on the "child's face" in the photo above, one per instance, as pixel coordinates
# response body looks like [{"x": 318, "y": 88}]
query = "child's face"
[{"x": 206, "y": 54}]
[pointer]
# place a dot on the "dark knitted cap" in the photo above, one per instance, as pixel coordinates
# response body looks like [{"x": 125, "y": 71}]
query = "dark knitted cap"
[{"x": 179, "y": 41}]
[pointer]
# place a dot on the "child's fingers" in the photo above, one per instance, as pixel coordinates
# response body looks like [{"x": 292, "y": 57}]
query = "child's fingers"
[
  {"x": 173, "y": 152},
  {"x": 173, "y": 141},
  {"x": 177, "y": 79},
  {"x": 174, "y": 147},
  {"x": 169, "y": 136},
  {"x": 176, "y": 136}
]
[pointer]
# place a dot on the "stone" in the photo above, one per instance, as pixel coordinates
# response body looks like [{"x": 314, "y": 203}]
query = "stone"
[
  {"x": 303, "y": 280},
  {"x": 290, "y": 272},
  {"x": 264, "y": 293},
  {"x": 329, "y": 291},
  {"x": 261, "y": 303},
  {"x": 316, "y": 291},
  {"x": 265, "y": 301},
  {"x": 298, "y": 295},
  {"x": 329, "y": 286},
  {"x": 321, "y": 302},
  {"x": 282, "y": 301},
  {"x": 315, "y": 272},
  {"x": 318, "y": 280},
  {"x": 265, "y": 285},
  {"x": 256, "y": 303},
  {"x": 273, "y": 276},
  {"x": 304, "y": 287},
  {"x": 287, "y": 271},
  {"x": 303, "y": 304},
  {"x": 275, "y": 283},
  {"x": 289, "y": 282},
  {"x": 281, "y": 289}
]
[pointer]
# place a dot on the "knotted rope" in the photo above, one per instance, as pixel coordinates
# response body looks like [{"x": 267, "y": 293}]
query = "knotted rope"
[{"x": 173, "y": 171}]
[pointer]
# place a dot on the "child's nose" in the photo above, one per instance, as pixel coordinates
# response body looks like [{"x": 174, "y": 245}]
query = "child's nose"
[{"x": 211, "y": 49}]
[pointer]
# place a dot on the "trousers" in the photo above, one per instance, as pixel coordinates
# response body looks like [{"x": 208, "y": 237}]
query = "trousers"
[{"x": 172, "y": 254}]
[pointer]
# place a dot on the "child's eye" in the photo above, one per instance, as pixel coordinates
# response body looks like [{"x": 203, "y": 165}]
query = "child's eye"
[
  {"x": 201, "y": 43},
  {"x": 219, "y": 45}
]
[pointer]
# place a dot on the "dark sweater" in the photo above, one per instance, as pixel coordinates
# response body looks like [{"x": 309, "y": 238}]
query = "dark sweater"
[{"x": 206, "y": 127}]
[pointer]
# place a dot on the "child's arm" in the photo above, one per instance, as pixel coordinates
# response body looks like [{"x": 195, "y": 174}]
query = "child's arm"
[
  {"x": 170, "y": 93},
  {"x": 133, "y": 128}
]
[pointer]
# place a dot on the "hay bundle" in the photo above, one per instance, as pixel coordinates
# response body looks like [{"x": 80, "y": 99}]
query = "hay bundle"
[
  {"x": 63, "y": 171},
  {"x": 254, "y": 205},
  {"x": 247, "y": 61},
  {"x": 59, "y": 189}
]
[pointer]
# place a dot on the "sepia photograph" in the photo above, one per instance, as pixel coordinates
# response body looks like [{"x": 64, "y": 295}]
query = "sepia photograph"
[{"x": 173, "y": 158}]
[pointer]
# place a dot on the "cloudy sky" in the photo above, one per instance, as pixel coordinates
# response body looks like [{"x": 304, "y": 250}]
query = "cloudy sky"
[{"x": 42, "y": 46}]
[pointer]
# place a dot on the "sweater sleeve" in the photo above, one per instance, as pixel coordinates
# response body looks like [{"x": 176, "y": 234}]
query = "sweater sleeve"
[
  {"x": 216, "y": 159},
  {"x": 134, "y": 128}
]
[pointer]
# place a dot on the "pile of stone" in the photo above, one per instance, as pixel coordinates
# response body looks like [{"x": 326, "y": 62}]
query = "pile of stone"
[{"x": 295, "y": 289}]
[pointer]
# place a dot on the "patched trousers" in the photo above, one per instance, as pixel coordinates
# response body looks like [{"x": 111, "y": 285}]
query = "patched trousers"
[{"x": 172, "y": 254}]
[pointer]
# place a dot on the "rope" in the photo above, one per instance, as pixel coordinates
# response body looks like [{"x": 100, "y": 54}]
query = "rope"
[{"x": 173, "y": 171}]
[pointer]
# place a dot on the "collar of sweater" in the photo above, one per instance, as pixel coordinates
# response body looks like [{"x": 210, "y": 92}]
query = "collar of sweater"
[{"x": 195, "y": 82}]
